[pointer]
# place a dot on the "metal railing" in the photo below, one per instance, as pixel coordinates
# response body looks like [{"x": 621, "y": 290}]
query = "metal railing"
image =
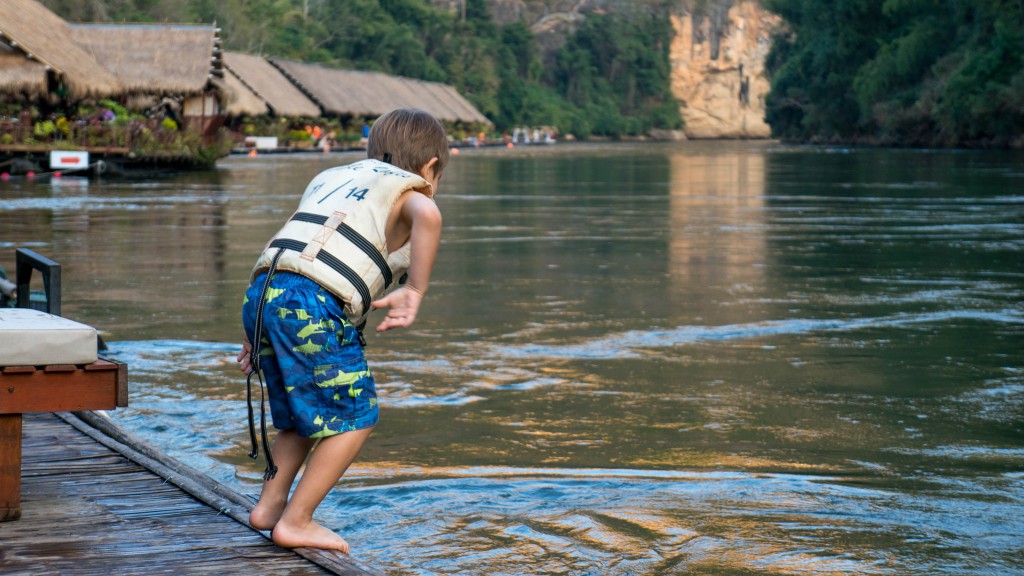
[{"x": 26, "y": 261}]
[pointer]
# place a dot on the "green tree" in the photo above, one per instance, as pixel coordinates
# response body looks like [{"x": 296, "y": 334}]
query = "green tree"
[{"x": 907, "y": 72}]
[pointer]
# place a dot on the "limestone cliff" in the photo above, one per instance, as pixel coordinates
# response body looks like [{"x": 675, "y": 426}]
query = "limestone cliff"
[
  {"x": 717, "y": 59},
  {"x": 717, "y": 55}
]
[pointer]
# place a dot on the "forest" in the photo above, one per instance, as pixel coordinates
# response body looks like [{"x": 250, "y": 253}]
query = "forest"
[
  {"x": 609, "y": 78},
  {"x": 899, "y": 72}
]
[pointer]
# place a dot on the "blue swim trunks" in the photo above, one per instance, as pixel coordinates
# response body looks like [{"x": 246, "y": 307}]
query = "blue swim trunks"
[{"x": 311, "y": 358}]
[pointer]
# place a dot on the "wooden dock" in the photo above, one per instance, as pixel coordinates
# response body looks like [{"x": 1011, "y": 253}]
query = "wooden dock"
[{"x": 97, "y": 500}]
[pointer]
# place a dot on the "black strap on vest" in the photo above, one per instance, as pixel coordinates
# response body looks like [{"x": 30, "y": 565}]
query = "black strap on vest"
[
  {"x": 355, "y": 238},
  {"x": 335, "y": 264},
  {"x": 254, "y": 368}
]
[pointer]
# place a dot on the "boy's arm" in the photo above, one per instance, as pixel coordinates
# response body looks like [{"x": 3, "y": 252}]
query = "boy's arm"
[{"x": 424, "y": 238}]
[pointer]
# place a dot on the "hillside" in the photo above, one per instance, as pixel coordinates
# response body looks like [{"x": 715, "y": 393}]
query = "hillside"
[{"x": 899, "y": 72}]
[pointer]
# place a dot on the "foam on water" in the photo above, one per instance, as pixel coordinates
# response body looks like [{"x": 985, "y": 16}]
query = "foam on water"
[{"x": 628, "y": 344}]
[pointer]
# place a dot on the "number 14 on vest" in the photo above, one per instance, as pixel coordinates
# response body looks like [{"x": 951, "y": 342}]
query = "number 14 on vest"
[{"x": 353, "y": 192}]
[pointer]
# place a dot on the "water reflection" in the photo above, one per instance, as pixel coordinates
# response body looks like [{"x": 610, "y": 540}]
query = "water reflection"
[{"x": 716, "y": 240}]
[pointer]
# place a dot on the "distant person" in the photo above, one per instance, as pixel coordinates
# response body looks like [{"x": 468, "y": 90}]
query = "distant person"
[{"x": 358, "y": 229}]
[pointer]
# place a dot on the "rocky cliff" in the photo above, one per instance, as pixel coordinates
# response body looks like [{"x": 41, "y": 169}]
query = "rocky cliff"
[
  {"x": 717, "y": 55},
  {"x": 717, "y": 58}
]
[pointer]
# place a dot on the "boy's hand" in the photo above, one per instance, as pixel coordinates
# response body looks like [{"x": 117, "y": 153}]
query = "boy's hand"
[
  {"x": 402, "y": 304},
  {"x": 243, "y": 356}
]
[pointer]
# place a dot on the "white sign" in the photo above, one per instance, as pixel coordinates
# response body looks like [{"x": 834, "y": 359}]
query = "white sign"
[
  {"x": 262, "y": 142},
  {"x": 68, "y": 160}
]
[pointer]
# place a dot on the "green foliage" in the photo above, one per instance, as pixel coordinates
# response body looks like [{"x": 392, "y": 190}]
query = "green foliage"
[
  {"x": 44, "y": 129},
  {"x": 615, "y": 70},
  {"x": 299, "y": 136},
  {"x": 63, "y": 126},
  {"x": 118, "y": 110},
  {"x": 610, "y": 78},
  {"x": 908, "y": 72}
]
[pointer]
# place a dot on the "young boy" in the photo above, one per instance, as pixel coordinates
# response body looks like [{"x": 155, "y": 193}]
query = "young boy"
[{"x": 358, "y": 229}]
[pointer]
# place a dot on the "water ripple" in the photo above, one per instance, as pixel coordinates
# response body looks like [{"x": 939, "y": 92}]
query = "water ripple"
[{"x": 628, "y": 344}]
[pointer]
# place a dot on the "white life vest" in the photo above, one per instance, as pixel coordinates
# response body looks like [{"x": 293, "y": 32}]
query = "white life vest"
[{"x": 336, "y": 237}]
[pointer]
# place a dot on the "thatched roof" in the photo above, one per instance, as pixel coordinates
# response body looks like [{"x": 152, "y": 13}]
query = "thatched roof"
[
  {"x": 152, "y": 58},
  {"x": 242, "y": 100},
  {"x": 269, "y": 85},
  {"x": 462, "y": 107},
  {"x": 43, "y": 36},
  {"x": 18, "y": 74},
  {"x": 369, "y": 94}
]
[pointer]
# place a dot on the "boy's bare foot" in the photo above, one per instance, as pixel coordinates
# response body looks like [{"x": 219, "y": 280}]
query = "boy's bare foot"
[
  {"x": 312, "y": 535},
  {"x": 264, "y": 516}
]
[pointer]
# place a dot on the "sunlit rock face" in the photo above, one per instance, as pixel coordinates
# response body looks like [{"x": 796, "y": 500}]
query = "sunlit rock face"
[
  {"x": 717, "y": 54},
  {"x": 718, "y": 57}
]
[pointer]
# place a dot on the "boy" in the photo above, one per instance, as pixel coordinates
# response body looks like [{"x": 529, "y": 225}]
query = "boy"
[{"x": 358, "y": 229}]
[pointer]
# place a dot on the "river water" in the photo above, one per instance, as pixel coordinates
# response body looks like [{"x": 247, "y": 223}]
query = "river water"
[{"x": 700, "y": 358}]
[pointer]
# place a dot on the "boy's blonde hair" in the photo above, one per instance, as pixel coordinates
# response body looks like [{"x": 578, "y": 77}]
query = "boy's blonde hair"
[{"x": 408, "y": 138}]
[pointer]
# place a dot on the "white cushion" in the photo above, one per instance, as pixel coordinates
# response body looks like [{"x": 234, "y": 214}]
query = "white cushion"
[{"x": 34, "y": 338}]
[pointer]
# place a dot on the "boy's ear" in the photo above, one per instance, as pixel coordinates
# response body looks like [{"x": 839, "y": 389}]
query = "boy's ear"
[{"x": 429, "y": 166}]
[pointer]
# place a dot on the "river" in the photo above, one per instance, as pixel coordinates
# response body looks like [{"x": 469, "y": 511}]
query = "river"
[{"x": 700, "y": 358}]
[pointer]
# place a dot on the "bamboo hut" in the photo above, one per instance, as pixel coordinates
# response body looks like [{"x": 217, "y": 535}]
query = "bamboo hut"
[
  {"x": 266, "y": 83},
  {"x": 29, "y": 29},
  {"x": 356, "y": 93},
  {"x": 176, "y": 68}
]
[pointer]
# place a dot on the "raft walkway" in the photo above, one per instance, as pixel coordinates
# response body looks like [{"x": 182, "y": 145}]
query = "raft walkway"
[{"x": 98, "y": 500}]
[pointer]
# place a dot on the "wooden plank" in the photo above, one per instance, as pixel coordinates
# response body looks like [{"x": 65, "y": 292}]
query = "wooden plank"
[
  {"x": 121, "y": 518},
  {"x": 51, "y": 368},
  {"x": 18, "y": 369},
  {"x": 200, "y": 486},
  {"x": 10, "y": 467},
  {"x": 41, "y": 391}
]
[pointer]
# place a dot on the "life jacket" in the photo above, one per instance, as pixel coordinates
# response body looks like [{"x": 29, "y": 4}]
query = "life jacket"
[{"x": 336, "y": 237}]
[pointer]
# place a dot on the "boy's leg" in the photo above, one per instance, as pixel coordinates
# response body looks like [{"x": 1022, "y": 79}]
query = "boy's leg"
[
  {"x": 329, "y": 461},
  {"x": 290, "y": 451}
]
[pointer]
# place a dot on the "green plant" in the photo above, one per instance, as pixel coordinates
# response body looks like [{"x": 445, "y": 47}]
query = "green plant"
[
  {"x": 168, "y": 125},
  {"x": 117, "y": 109},
  {"x": 63, "y": 126},
  {"x": 44, "y": 129}
]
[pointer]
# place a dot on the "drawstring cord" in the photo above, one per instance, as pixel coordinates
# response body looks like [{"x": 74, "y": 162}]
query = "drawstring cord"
[{"x": 254, "y": 362}]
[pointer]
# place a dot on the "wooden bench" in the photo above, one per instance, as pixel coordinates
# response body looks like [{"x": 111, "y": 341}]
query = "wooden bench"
[{"x": 101, "y": 385}]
